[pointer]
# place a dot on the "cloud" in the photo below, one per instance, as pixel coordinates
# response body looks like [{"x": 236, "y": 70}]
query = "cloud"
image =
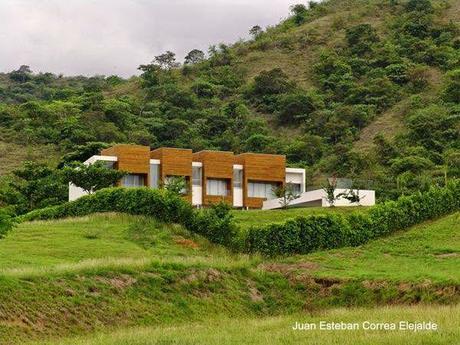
[{"x": 115, "y": 36}]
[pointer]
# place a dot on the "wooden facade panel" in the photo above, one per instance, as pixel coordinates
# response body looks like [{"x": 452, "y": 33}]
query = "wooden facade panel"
[
  {"x": 216, "y": 165},
  {"x": 174, "y": 162},
  {"x": 263, "y": 167},
  {"x": 131, "y": 158},
  {"x": 254, "y": 202}
]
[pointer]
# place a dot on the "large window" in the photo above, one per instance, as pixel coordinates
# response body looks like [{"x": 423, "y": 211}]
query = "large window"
[
  {"x": 296, "y": 188},
  {"x": 237, "y": 178},
  {"x": 132, "y": 180},
  {"x": 196, "y": 176},
  {"x": 154, "y": 175},
  {"x": 262, "y": 190},
  {"x": 216, "y": 187}
]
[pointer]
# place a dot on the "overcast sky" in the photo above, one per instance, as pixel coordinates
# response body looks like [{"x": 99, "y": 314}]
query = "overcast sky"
[{"x": 116, "y": 36}]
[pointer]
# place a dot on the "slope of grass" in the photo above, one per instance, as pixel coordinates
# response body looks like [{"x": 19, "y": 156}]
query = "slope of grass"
[
  {"x": 278, "y": 330},
  {"x": 99, "y": 240},
  {"x": 106, "y": 272},
  {"x": 429, "y": 252}
]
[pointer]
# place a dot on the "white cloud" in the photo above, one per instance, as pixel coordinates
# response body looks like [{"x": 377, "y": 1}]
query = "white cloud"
[{"x": 115, "y": 36}]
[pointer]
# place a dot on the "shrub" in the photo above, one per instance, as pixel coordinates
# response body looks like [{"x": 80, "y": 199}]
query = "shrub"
[
  {"x": 6, "y": 223},
  {"x": 306, "y": 234},
  {"x": 158, "y": 203}
]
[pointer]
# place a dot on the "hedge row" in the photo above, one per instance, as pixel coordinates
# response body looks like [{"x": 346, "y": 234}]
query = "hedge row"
[
  {"x": 214, "y": 223},
  {"x": 306, "y": 234},
  {"x": 297, "y": 236}
]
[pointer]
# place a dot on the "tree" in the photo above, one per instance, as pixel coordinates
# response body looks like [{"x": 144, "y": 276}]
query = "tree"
[
  {"x": 167, "y": 60},
  {"x": 22, "y": 75},
  {"x": 176, "y": 184},
  {"x": 150, "y": 74},
  {"x": 352, "y": 196},
  {"x": 255, "y": 31},
  {"x": 6, "y": 223},
  {"x": 34, "y": 185},
  {"x": 297, "y": 107},
  {"x": 81, "y": 153},
  {"x": 299, "y": 12},
  {"x": 194, "y": 56},
  {"x": 451, "y": 160},
  {"x": 286, "y": 194},
  {"x": 273, "y": 82},
  {"x": 419, "y": 6},
  {"x": 361, "y": 37},
  {"x": 329, "y": 188},
  {"x": 91, "y": 177},
  {"x": 451, "y": 92}
]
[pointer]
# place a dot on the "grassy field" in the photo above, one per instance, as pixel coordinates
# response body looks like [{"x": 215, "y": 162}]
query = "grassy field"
[
  {"x": 111, "y": 273},
  {"x": 103, "y": 240},
  {"x": 278, "y": 330},
  {"x": 258, "y": 217},
  {"x": 428, "y": 252}
]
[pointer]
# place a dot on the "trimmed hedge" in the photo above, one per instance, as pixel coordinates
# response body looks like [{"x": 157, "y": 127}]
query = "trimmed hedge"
[
  {"x": 214, "y": 223},
  {"x": 306, "y": 234},
  {"x": 297, "y": 236}
]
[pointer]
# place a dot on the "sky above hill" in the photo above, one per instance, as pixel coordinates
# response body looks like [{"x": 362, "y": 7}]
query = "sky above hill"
[{"x": 116, "y": 36}]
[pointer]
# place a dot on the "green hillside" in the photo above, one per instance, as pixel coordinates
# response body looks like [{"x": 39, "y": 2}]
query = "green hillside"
[
  {"x": 104, "y": 272},
  {"x": 354, "y": 88}
]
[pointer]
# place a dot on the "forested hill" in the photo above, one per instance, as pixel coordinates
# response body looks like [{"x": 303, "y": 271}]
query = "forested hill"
[{"x": 354, "y": 88}]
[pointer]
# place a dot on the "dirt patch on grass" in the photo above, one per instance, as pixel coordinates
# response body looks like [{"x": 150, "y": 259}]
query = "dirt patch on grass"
[
  {"x": 287, "y": 269},
  {"x": 208, "y": 276},
  {"x": 119, "y": 282},
  {"x": 186, "y": 242}
]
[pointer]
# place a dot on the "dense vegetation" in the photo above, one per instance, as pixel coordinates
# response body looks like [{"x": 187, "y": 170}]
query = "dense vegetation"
[{"x": 297, "y": 88}]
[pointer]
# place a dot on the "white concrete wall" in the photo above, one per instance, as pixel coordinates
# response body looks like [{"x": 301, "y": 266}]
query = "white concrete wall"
[
  {"x": 197, "y": 195},
  {"x": 319, "y": 196},
  {"x": 367, "y": 198},
  {"x": 75, "y": 192}
]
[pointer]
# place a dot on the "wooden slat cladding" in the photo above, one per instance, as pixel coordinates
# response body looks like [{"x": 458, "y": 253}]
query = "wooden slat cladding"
[
  {"x": 217, "y": 165},
  {"x": 260, "y": 167},
  {"x": 263, "y": 167},
  {"x": 175, "y": 162},
  {"x": 133, "y": 159}
]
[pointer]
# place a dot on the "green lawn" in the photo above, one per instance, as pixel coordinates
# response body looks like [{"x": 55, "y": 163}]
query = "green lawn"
[
  {"x": 427, "y": 252},
  {"x": 278, "y": 330},
  {"x": 100, "y": 240},
  {"x": 258, "y": 217},
  {"x": 108, "y": 273}
]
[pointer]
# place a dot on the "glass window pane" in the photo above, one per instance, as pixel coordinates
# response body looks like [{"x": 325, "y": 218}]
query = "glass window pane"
[
  {"x": 216, "y": 187},
  {"x": 196, "y": 178},
  {"x": 154, "y": 175}
]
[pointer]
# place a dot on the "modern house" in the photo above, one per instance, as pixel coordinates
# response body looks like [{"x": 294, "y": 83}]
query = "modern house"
[{"x": 244, "y": 180}]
